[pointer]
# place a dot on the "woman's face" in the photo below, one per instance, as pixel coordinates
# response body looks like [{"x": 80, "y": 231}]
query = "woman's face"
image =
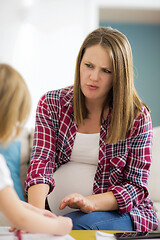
[{"x": 96, "y": 74}]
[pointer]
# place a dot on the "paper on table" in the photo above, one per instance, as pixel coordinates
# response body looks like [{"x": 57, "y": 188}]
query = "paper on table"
[
  {"x": 104, "y": 236},
  {"x": 5, "y": 235}
]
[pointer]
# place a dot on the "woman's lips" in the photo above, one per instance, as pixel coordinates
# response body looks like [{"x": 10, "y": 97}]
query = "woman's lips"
[{"x": 92, "y": 87}]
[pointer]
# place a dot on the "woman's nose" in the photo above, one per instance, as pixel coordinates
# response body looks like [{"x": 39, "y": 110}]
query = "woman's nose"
[{"x": 94, "y": 75}]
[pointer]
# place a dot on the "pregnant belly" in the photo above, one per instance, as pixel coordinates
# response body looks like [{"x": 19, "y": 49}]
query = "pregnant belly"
[{"x": 71, "y": 177}]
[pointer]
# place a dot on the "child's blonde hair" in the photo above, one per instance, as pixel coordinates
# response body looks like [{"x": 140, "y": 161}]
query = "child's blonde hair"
[{"x": 15, "y": 103}]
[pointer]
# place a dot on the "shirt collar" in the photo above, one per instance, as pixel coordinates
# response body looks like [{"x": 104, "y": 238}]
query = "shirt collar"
[{"x": 67, "y": 98}]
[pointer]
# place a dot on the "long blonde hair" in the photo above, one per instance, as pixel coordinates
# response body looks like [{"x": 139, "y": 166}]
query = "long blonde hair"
[
  {"x": 15, "y": 103},
  {"x": 122, "y": 98}
]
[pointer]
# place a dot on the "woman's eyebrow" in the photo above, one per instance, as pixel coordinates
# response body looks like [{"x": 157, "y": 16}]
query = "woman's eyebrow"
[
  {"x": 108, "y": 68},
  {"x": 102, "y": 67}
]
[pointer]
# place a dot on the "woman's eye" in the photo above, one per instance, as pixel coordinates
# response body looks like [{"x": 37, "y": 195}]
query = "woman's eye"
[
  {"x": 106, "y": 70},
  {"x": 88, "y": 65}
]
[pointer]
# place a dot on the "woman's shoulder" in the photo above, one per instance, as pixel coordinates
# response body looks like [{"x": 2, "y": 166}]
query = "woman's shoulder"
[
  {"x": 142, "y": 122},
  {"x": 57, "y": 95},
  {"x": 144, "y": 115}
]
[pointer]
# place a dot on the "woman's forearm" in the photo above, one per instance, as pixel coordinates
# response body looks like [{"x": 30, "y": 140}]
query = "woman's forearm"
[
  {"x": 98, "y": 202},
  {"x": 104, "y": 201},
  {"x": 37, "y": 195}
]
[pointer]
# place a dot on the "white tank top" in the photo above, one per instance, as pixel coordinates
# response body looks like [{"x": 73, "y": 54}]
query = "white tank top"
[
  {"x": 76, "y": 176},
  {"x": 86, "y": 148}
]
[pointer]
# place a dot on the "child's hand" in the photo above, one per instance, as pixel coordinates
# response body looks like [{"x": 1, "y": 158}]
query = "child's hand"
[
  {"x": 39, "y": 210},
  {"x": 77, "y": 201},
  {"x": 13, "y": 229},
  {"x": 35, "y": 209},
  {"x": 65, "y": 224},
  {"x": 45, "y": 212}
]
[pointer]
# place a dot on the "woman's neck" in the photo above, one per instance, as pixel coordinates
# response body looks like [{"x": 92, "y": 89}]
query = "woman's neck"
[
  {"x": 92, "y": 123},
  {"x": 94, "y": 107}
]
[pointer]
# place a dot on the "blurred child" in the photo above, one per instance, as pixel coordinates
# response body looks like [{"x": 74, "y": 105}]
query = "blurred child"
[{"x": 15, "y": 105}]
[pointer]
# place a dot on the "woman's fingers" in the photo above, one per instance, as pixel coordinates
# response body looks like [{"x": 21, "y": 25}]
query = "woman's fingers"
[
  {"x": 77, "y": 201},
  {"x": 71, "y": 201},
  {"x": 67, "y": 202}
]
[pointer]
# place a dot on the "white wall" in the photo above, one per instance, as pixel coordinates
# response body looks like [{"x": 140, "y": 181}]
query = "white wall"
[{"x": 41, "y": 39}]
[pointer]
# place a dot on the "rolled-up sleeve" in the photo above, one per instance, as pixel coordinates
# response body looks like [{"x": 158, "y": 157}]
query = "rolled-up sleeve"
[
  {"x": 133, "y": 190},
  {"x": 42, "y": 163}
]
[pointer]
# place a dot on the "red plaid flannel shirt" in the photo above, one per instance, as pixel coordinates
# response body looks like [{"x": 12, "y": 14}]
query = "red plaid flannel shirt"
[{"x": 123, "y": 168}]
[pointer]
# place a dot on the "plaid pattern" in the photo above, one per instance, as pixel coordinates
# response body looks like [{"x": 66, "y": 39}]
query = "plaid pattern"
[{"x": 123, "y": 168}]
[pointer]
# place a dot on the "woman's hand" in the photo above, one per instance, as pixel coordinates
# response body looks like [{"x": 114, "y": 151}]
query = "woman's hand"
[{"x": 77, "y": 201}]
